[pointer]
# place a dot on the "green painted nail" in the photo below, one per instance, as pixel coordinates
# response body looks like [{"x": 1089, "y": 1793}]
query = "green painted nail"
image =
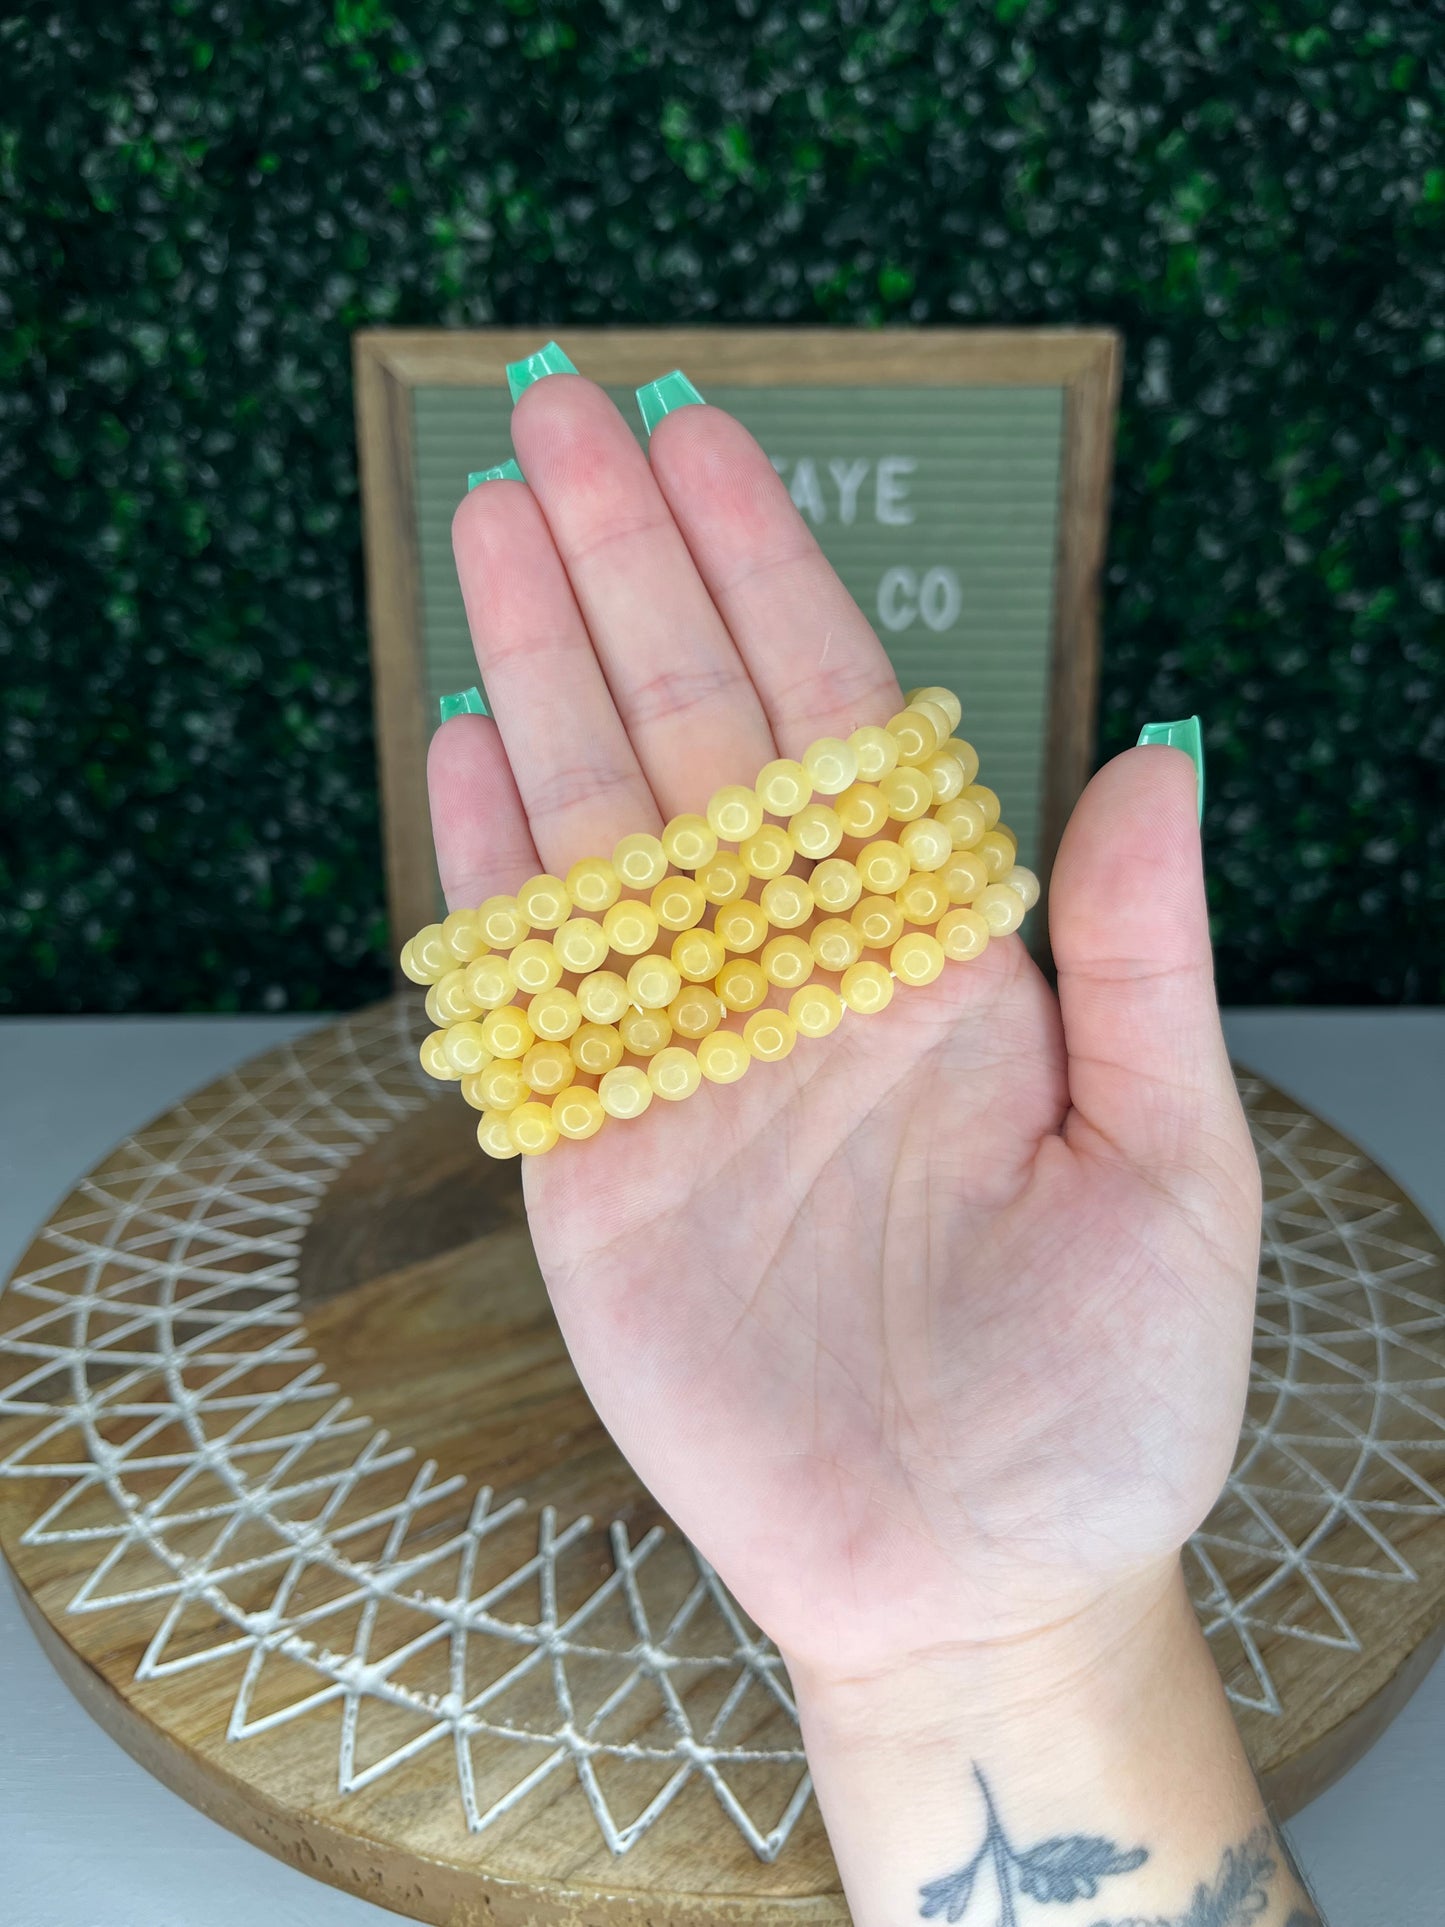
[
  {"x": 546, "y": 361},
  {"x": 1183, "y": 735},
  {"x": 466, "y": 702},
  {"x": 508, "y": 472},
  {"x": 664, "y": 396}
]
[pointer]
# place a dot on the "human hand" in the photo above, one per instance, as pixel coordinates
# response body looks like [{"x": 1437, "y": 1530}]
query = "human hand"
[{"x": 936, "y": 1333}]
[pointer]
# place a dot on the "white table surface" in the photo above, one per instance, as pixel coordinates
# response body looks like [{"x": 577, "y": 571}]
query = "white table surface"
[{"x": 89, "y": 1839}]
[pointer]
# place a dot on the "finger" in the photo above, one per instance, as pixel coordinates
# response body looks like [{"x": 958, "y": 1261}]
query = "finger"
[
  {"x": 578, "y": 778},
  {"x": 1148, "y": 1069},
  {"x": 484, "y": 848},
  {"x": 809, "y": 649},
  {"x": 680, "y": 686}
]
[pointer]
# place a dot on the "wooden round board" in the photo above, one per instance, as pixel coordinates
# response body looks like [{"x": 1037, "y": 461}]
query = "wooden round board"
[{"x": 306, "y": 1504}]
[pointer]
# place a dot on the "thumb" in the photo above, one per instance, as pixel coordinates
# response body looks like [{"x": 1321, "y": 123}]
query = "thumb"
[{"x": 1148, "y": 1069}]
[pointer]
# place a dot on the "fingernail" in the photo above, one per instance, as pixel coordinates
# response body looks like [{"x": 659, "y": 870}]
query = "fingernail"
[
  {"x": 466, "y": 702},
  {"x": 664, "y": 397},
  {"x": 546, "y": 361},
  {"x": 508, "y": 472},
  {"x": 1183, "y": 735}
]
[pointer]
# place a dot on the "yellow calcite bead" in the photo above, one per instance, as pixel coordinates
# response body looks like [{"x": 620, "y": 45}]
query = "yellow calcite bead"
[
  {"x": 787, "y": 962},
  {"x": 816, "y": 1009},
  {"x": 451, "y": 996},
  {"x": 917, "y": 733},
  {"x": 465, "y": 1048},
  {"x": 964, "y": 753},
  {"x": 654, "y": 981},
  {"x": 862, "y": 809},
  {"x": 548, "y": 1068},
  {"x": 506, "y": 1032},
  {"x": 741, "y": 984},
  {"x": 963, "y": 934},
  {"x": 595, "y": 1048},
  {"x": 645, "y": 1032},
  {"x": 783, "y": 787},
  {"x": 1025, "y": 882},
  {"x": 937, "y": 714},
  {"x": 787, "y": 902},
  {"x": 963, "y": 876},
  {"x": 927, "y": 843},
  {"x": 699, "y": 955},
  {"x": 536, "y": 965},
  {"x": 815, "y": 831},
  {"x": 878, "y": 921},
  {"x": 835, "y": 885},
  {"x": 831, "y": 764},
  {"x": 581, "y": 945},
  {"x": 429, "y": 954},
  {"x": 945, "y": 699},
  {"x": 502, "y": 1086},
  {"x": 876, "y": 750},
  {"x": 1010, "y": 836},
  {"x": 734, "y": 812},
  {"x": 866, "y": 987},
  {"x": 742, "y": 926},
  {"x": 410, "y": 966},
  {"x": 909, "y": 793},
  {"x": 640, "y": 861},
  {"x": 884, "y": 867},
  {"x": 768, "y": 852},
  {"x": 946, "y": 774},
  {"x": 502, "y": 923},
  {"x": 544, "y": 902},
  {"x": 987, "y": 801},
  {"x": 997, "y": 853},
  {"x": 578, "y": 1113},
  {"x": 723, "y": 878},
  {"x": 723, "y": 1057},
  {"x": 434, "y": 1059},
  {"x": 472, "y": 1091},
  {"x": 462, "y": 935},
  {"x": 965, "y": 821},
  {"x": 555, "y": 1014},
  {"x": 593, "y": 885},
  {"x": 769, "y": 1035},
  {"x": 625, "y": 1092},
  {"x": 678, "y": 903},
  {"x": 603, "y": 996},
  {"x": 533, "y": 1129},
  {"x": 689, "y": 841},
  {"x": 631, "y": 928},
  {"x": 1001, "y": 908},
  {"x": 835, "y": 944},
  {"x": 674, "y": 1074},
  {"x": 695, "y": 1010},
  {"x": 490, "y": 982},
  {"x": 917, "y": 958},
  {"x": 494, "y": 1137},
  {"x": 923, "y": 899},
  {"x": 434, "y": 1008}
]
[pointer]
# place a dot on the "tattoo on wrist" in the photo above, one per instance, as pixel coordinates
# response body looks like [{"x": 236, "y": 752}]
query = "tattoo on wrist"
[{"x": 1001, "y": 1878}]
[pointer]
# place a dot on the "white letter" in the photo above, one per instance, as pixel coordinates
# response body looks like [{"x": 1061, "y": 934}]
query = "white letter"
[
  {"x": 849, "y": 478},
  {"x": 780, "y": 462},
  {"x": 893, "y": 612},
  {"x": 805, "y": 491},
  {"x": 892, "y": 495},
  {"x": 940, "y": 600}
]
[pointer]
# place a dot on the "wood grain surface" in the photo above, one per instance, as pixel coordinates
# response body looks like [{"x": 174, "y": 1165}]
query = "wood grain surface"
[{"x": 374, "y": 1637}]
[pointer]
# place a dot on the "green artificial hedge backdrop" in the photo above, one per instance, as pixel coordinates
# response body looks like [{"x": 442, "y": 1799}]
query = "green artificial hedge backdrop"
[{"x": 200, "y": 201}]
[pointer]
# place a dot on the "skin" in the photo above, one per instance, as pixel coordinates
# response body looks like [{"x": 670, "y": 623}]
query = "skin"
[{"x": 933, "y": 1337}]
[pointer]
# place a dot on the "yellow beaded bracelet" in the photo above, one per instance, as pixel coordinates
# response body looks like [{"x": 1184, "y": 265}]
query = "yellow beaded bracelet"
[{"x": 582, "y": 998}]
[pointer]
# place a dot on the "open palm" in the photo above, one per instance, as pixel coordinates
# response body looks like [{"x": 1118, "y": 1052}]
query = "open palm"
[{"x": 934, "y": 1330}]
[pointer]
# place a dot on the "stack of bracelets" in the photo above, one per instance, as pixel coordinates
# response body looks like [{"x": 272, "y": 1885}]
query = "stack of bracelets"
[{"x": 582, "y": 998}]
